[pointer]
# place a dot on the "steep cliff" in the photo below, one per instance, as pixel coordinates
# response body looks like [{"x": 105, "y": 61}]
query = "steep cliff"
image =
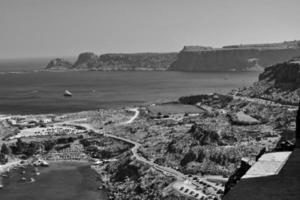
[
  {"x": 284, "y": 75},
  {"x": 87, "y": 60},
  {"x": 235, "y": 58},
  {"x": 279, "y": 83},
  {"x": 138, "y": 61}
]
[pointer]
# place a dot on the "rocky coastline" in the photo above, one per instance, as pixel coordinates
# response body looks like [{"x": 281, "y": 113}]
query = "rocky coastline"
[
  {"x": 278, "y": 83},
  {"x": 252, "y": 57},
  {"x": 248, "y": 57}
]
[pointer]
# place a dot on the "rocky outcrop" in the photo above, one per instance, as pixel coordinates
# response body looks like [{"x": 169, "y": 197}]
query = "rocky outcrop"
[
  {"x": 121, "y": 62},
  {"x": 236, "y": 176},
  {"x": 240, "y": 118},
  {"x": 278, "y": 83},
  {"x": 204, "y": 135},
  {"x": 284, "y": 75},
  {"x": 139, "y": 61},
  {"x": 59, "y": 63},
  {"x": 298, "y": 127},
  {"x": 217, "y": 100},
  {"x": 87, "y": 60},
  {"x": 235, "y": 58}
]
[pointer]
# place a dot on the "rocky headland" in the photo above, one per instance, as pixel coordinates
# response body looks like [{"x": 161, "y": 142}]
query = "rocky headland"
[
  {"x": 278, "y": 83},
  {"x": 252, "y": 57},
  {"x": 117, "y": 62},
  {"x": 247, "y": 57}
]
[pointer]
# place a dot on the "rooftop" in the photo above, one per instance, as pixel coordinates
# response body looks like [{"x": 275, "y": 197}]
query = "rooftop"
[{"x": 284, "y": 185}]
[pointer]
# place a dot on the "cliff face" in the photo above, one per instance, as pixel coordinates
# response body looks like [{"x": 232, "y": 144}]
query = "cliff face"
[
  {"x": 279, "y": 83},
  {"x": 285, "y": 74},
  {"x": 235, "y": 58},
  {"x": 86, "y": 60},
  {"x": 139, "y": 61},
  {"x": 122, "y": 62}
]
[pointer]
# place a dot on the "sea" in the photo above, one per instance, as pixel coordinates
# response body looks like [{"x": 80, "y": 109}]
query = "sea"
[
  {"x": 24, "y": 89},
  {"x": 64, "y": 180}
]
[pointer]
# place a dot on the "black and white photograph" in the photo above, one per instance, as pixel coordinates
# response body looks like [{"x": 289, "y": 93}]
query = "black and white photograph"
[{"x": 149, "y": 99}]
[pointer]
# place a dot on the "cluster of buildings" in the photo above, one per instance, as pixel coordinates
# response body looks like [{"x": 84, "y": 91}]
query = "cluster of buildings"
[{"x": 48, "y": 131}]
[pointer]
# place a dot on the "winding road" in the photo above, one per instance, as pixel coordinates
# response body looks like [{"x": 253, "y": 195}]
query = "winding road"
[
  {"x": 263, "y": 101},
  {"x": 166, "y": 170}
]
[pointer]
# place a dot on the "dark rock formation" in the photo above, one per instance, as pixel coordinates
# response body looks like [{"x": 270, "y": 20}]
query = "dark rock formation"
[
  {"x": 86, "y": 60},
  {"x": 217, "y": 100},
  {"x": 279, "y": 83},
  {"x": 236, "y": 176},
  {"x": 196, "y": 48},
  {"x": 298, "y": 128},
  {"x": 190, "y": 156},
  {"x": 204, "y": 135},
  {"x": 119, "y": 62},
  {"x": 283, "y": 75},
  {"x": 235, "y": 58},
  {"x": 59, "y": 63},
  {"x": 138, "y": 61},
  {"x": 240, "y": 118},
  {"x": 103, "y": 147}
]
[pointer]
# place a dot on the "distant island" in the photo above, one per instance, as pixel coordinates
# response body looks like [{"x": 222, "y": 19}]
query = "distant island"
[
  {"x": 247, "y": 57},
  {"x": 116, "y": 62}
]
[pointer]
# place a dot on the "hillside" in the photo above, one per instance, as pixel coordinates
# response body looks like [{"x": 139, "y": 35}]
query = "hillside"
[{"x": 252, "y": 57}]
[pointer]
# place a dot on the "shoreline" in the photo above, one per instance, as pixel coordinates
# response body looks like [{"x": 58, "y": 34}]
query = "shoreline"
[{"x": 10, "y": 165}]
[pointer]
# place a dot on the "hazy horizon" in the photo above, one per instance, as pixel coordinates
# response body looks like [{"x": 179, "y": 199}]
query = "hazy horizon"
[{"x": 59, "y": 28}]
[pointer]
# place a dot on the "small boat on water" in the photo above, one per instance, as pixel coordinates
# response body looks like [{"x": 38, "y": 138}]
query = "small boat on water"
[
  {"x": 44, "y": 163},
  {"x": 101, "y": 187},
  {"x": 40, "y": 162},
  {"x": 5, "y": 175},
  {"x": 36, "y": 171},
  {"x": 67, "y": 93},
  {"x": 1, "y": 184}
]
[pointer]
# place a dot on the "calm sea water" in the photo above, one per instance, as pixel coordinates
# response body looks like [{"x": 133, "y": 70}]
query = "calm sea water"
[
  {"x": 60, "y": 181},
  {"x": 42, "y": 92}
]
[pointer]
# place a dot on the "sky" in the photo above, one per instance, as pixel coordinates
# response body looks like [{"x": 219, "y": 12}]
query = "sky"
[{"x": 47, "y": 28}]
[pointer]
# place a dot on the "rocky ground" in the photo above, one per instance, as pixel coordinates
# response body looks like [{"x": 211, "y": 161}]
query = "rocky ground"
[
  {"x": 208, "y": 141},
  {"x": 197, "y": 136}
]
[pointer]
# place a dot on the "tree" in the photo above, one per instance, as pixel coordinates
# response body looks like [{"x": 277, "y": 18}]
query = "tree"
[
  {"x": 3, "y": 158},
  {"x": 20, "y": 146},
  {"x": 5, "y": 149}
]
